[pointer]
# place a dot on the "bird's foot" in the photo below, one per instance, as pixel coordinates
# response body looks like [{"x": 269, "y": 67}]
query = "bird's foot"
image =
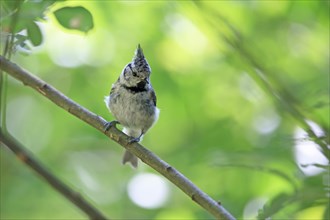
[
  {"x": 134, "y": 140},
  {"x": 109, "y": 124}
]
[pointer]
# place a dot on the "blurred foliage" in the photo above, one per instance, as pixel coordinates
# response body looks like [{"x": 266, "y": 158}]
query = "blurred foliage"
[
  {"x": 226, "y": 74},
  {"x": 33, "y": 11}
]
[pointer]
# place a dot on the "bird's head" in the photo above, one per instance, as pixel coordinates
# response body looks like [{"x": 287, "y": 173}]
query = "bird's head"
[{"x": 137, "y": 72}]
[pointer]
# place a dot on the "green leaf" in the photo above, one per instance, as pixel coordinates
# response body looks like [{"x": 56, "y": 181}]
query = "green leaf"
[
  {"x": 77, "y": 18},
  {"x": 9, "y": 6},
  {"x": 274, "y": 206},
  {"x": 34, "y": 33},
  {"x": 20, "y": 39}
]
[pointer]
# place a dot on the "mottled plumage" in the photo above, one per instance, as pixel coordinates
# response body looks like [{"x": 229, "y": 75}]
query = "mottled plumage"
[{"x": 132, "y": 101}]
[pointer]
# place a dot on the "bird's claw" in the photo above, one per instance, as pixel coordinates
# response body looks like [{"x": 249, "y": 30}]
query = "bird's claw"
[
  {"x": 133, "y": 140},
  {"x": 109, "y": 124}
]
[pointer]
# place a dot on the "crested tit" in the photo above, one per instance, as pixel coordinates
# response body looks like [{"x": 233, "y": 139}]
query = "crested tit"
[{"x": 132, "y": 101}]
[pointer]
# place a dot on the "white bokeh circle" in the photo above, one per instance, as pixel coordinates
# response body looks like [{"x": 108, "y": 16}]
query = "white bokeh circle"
[{"x": 148, "y": 190}]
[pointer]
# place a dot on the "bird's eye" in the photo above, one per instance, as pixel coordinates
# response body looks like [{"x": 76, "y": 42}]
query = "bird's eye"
[{"x": 133, "y": 72}]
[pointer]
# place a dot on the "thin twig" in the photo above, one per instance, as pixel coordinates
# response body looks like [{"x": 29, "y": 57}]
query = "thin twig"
[
  {"x": 265, "y": 78},
  {"x": 262, "y": 168},
  {"x": 7, "y": 52},
  {"x": 201, "y": 198},
  {"x": 56, "y": 183}
]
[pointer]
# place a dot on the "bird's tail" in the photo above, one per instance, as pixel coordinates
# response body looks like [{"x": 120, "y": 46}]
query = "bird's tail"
[{"x": 129, "y": 157}]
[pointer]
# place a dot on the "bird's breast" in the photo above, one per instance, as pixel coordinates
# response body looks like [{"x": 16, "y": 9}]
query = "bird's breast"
[{"x": 135, "y": 110}]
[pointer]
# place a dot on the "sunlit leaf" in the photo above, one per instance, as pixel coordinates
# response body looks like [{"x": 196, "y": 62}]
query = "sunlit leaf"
[{"x": 77, "y": 18}]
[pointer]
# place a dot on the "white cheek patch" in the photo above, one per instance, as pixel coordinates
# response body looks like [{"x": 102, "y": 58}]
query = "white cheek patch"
[
  {"x": 107, "y": 101},
  {"x": 157, "y": 111}
]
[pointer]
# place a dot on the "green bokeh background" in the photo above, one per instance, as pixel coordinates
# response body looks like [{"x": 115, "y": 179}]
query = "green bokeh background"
[{"x": 214, "y": 110}]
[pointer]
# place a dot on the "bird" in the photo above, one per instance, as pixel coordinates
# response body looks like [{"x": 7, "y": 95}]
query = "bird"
[{"x": 132, "y": 101}]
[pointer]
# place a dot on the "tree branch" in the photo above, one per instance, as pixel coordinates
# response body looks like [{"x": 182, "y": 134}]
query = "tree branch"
[
  {"x": 201, "y": 198},
  {"x": 57, "y": 184}
]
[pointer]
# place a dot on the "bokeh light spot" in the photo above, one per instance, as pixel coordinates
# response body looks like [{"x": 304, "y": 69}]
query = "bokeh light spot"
[
  {"x": 307, "y": 152},
  {"x": 267, "y": 121},
  {"x": 148, "y": 190},
  {"x": 252, "y": 207}
]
